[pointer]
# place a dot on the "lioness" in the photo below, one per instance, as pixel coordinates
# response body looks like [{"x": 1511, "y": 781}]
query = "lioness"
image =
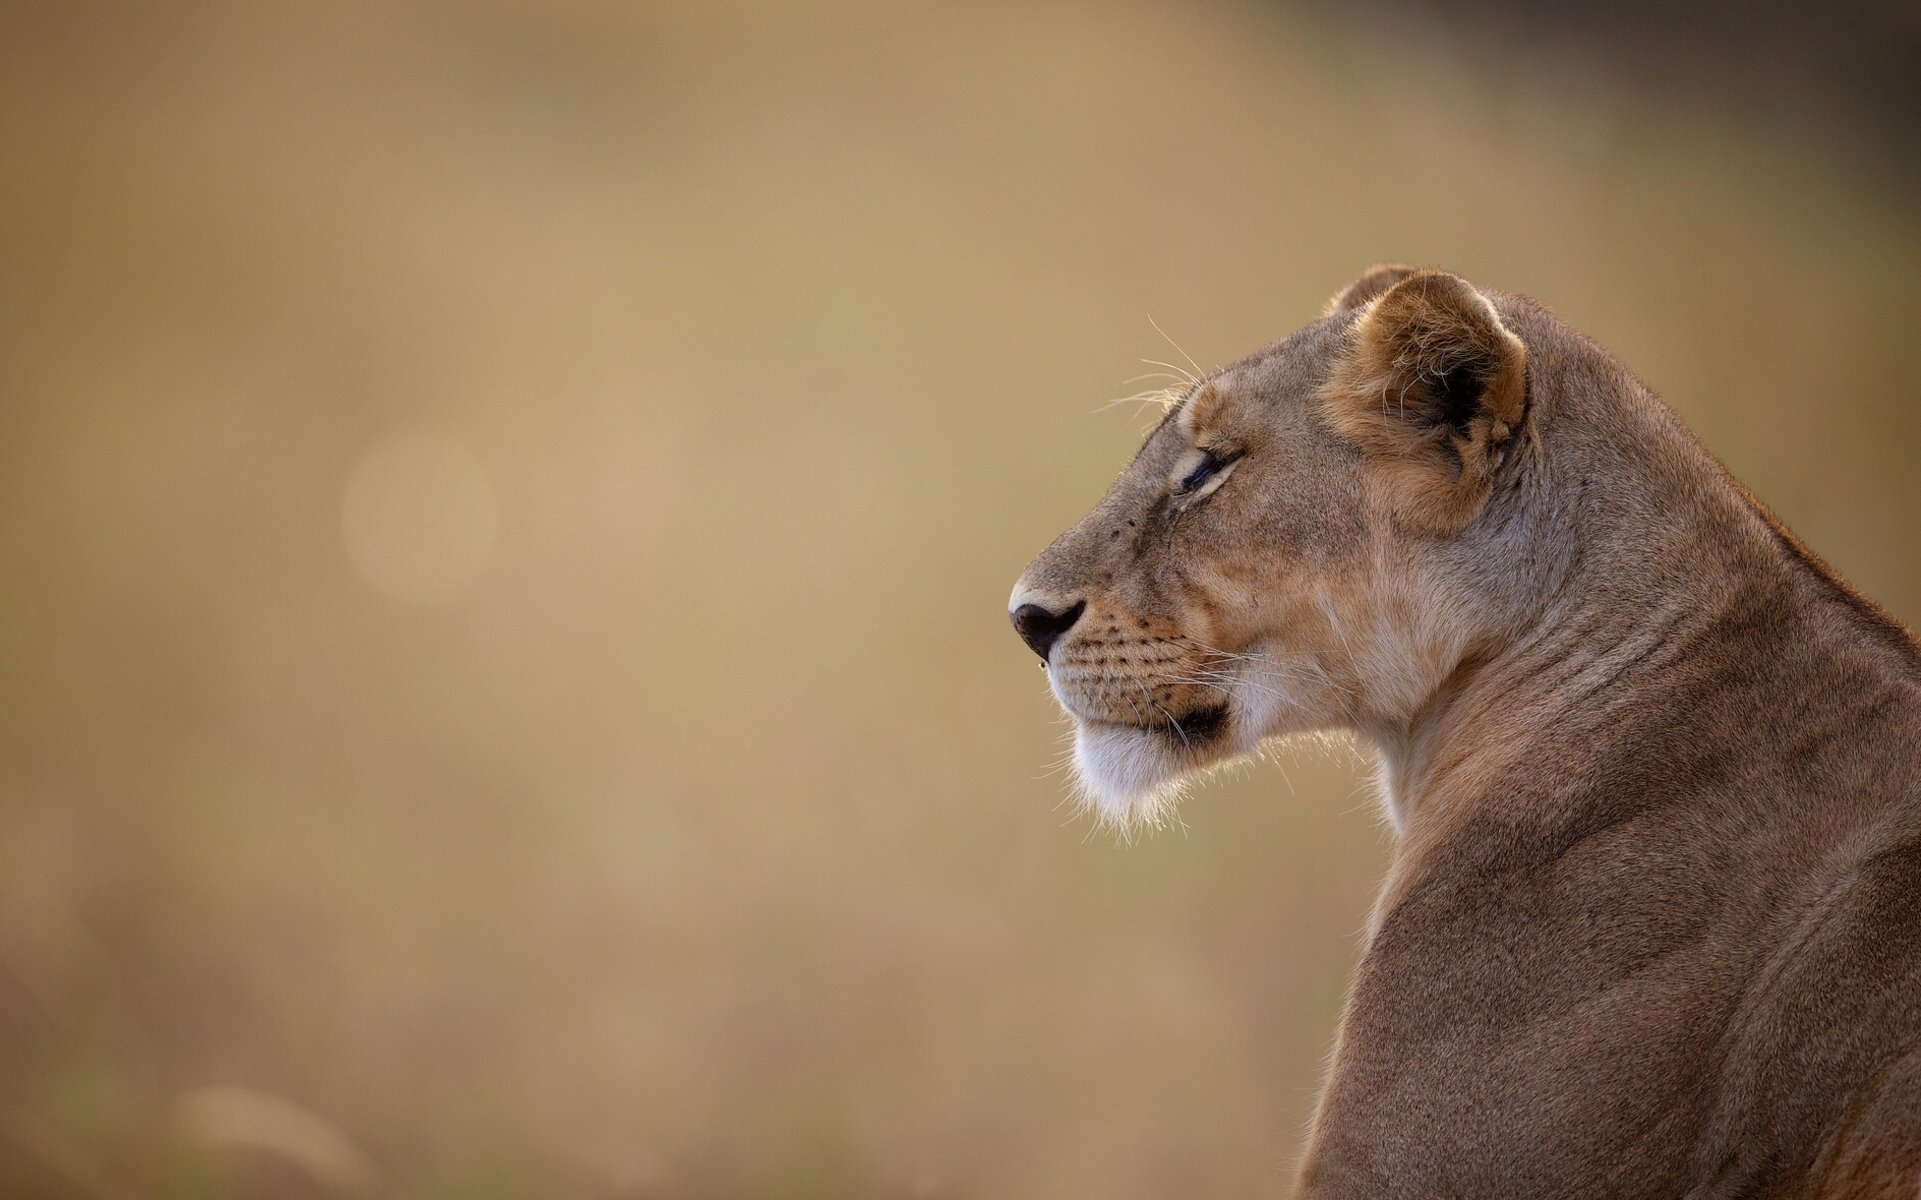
[{"x": 1653, "y": 921}]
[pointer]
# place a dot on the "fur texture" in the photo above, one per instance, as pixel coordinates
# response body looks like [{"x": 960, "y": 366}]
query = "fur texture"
[{"x": 1653, "y": 921}]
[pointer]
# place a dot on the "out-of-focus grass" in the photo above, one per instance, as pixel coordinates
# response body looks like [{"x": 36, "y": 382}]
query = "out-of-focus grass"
[{"x": 703, "y": 842}]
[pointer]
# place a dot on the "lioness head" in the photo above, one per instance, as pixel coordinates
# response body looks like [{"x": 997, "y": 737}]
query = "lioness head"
[{"x": 1311, "y": 539}]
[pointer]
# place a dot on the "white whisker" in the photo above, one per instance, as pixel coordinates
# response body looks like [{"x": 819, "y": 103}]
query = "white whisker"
[{"x": 1177, "y": 346}]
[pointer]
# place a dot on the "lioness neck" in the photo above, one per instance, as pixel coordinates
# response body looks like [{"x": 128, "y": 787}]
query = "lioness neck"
[
  {"x": 1650, "y": 581},
  {"x": 1640, "y": 820}
]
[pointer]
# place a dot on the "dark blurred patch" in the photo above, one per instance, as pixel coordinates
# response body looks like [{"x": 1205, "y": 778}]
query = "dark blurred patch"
[{"x": 1774, "y": 62}]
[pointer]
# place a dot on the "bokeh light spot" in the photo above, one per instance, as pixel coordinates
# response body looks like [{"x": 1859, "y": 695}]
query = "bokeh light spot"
[{"x": 419, "y": 516}]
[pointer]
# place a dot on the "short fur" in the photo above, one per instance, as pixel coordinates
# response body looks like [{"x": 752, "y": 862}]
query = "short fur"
[{"x": 1652, "y": 926}]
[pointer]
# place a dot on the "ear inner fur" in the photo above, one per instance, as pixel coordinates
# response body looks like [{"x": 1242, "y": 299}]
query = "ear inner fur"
[{"x": 1433, "y": 388}]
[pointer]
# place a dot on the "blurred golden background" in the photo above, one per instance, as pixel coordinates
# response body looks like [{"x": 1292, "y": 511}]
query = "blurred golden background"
[{"x": 506, "y": 511}]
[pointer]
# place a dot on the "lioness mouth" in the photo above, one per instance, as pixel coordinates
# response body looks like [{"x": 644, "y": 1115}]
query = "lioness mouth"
[
  {"x": 1198, "y": 726},
  {"x": 1191, "y": 728}
]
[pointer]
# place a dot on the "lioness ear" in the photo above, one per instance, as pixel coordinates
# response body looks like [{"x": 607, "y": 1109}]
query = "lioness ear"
[
  {"x": 1372, "y": 283},
  {"x": 1434, "y": 388}
]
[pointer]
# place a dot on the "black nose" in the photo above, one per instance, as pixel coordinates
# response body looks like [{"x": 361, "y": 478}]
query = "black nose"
[{"x": 1040, "y": 629}]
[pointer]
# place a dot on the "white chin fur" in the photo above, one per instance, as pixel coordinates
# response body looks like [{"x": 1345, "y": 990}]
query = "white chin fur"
[
  {"x": 1128, "y": 777},
  {"x": 1133, "y": 777}
]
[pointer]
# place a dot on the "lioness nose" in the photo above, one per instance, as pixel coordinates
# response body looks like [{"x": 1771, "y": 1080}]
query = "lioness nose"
[{"x": 1041, "y": 628}]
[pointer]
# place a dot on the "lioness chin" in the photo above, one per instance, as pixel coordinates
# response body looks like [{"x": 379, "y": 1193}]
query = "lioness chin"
[{"x": 1652, "y": 925}]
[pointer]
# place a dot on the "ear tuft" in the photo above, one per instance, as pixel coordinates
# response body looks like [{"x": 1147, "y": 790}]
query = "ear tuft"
[
  {"x": 1373, "y": 282},
  {"x": 1434, "y": 388}
]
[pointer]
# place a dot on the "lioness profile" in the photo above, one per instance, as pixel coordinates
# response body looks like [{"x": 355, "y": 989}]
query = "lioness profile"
[{"x": 1652, "y": 925}]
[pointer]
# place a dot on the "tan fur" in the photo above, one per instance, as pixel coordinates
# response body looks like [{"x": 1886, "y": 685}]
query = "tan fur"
[
  {"x": 1373, "y": 282},
  {"x": 1427, "y": 326},
  {"x": 1653, "y": 922}
]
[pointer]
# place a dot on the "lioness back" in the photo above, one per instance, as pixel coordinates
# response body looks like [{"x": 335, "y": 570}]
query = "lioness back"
[{"x": 1652, "y": 926}]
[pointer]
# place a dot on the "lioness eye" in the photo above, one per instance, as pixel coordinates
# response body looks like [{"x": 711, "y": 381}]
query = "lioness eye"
[{"x": 1209, "y": 466}]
